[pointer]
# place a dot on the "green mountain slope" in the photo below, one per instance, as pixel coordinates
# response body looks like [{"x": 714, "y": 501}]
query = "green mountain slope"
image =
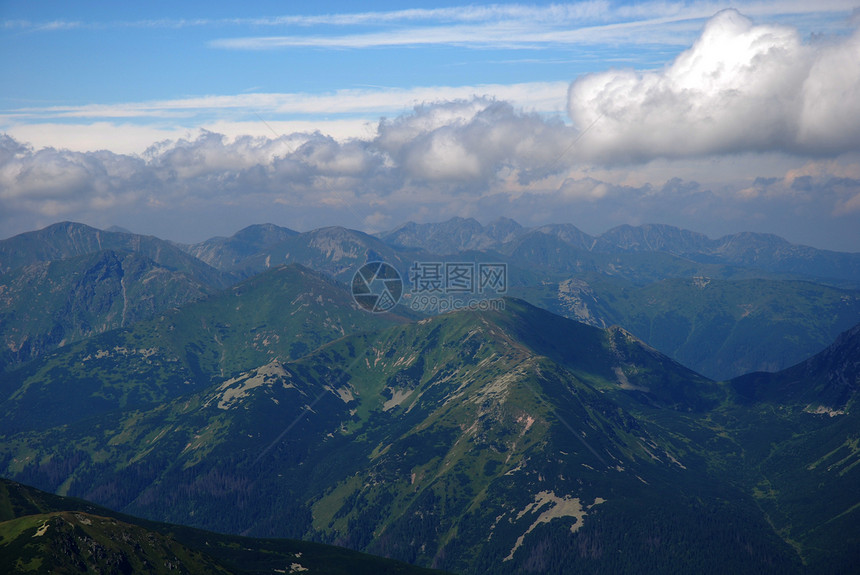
[
  {"x": 46, "y": 305},
  {"x": 643, "y": 278},
  {"x": 65, "y": 542},
  {"x": 495, "y": 442},
  {"x": 721, "y": 328},
  {"x": 828, "y": 381},
  {"x": 226, "y": 253},
  {"x": 334, "y": 251},
  {"x": 40, "y": 533},
  {"x": 68, "y": 281},
  {"x": 284, "y": 313},
  {"x": 68, "y": 239}
]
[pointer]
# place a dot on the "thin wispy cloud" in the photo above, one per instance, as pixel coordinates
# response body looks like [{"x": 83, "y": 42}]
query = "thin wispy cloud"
[
  {"x": 475, "y": 17},
  {"x": 519, "y": 26},
  {"x": 539, "y": 96},
  {"x": 508, "y": 34},
  {"x": 581, "y": 11}
]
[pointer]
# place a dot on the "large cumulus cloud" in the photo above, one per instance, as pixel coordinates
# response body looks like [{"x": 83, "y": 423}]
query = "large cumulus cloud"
[
  {"x": 473, "y": 141},
  {"x": 741, "y": 87}
]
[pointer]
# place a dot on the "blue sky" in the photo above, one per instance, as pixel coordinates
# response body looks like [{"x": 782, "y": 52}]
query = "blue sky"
[
  {"x": 191, "y": 119},
  {"x": 78, "y": 55}
]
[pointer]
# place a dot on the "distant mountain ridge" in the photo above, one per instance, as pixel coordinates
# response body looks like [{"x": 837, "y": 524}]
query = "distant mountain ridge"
[
  {"x": 69, "y": 239},
  {"x": 225, "y": 253},
  {"x": 455, "y": 235},
  {"x": 335, "y": 251},
  {"x": 765, "y": 251},
  {"x": 614, "y": 278}
]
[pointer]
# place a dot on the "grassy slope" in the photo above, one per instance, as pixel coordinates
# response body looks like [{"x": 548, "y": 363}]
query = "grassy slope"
[
  {"x": 40, "y": 532},
  {"x": 284, "y": 313},
  {"x": 50, "y": 304},
  {"x": 423, "y": 440}
]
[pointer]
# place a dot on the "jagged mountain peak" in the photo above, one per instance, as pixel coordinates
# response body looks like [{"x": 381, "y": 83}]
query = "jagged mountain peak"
[
  {"x": 454, "y": 235},
  {"x": 652, "y": 238},
  {"x": 570, "y": 234}
]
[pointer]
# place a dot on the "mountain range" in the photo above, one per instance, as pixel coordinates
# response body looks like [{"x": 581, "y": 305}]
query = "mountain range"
[
  {"x": 762, "y": 311},
  {"x": 565, "y": 429},
  {"x": 762, "y": 251}
]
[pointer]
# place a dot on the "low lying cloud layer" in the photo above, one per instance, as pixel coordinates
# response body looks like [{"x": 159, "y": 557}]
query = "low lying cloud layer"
[
  {"x": 741, "y": 87},
  {"x": 465, "y": 147},
  {"x": 476, "y": 158}
]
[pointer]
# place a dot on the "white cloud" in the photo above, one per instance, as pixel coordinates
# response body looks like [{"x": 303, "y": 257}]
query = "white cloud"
[
  {"x": 128, "y": 138},
  {"x": 543, "y": 96},
  {"x": 467, "y": 13},
  {"x": 830, "y": 113},
  {"x": 478, "y": 140},
  {"x": 468, "y": 145},
  {"x": 517, "y": 25},
  {"x": 740, "y": 87},
  {"x": 493, "y": 25},
  {"x": 498, "y": 35},
  {"x": 477, "y": 157}
]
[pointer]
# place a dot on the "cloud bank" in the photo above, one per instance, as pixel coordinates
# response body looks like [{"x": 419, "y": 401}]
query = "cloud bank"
[
  {"x": 463, "y": 147},
  {"x": 739, "y": 88}
]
